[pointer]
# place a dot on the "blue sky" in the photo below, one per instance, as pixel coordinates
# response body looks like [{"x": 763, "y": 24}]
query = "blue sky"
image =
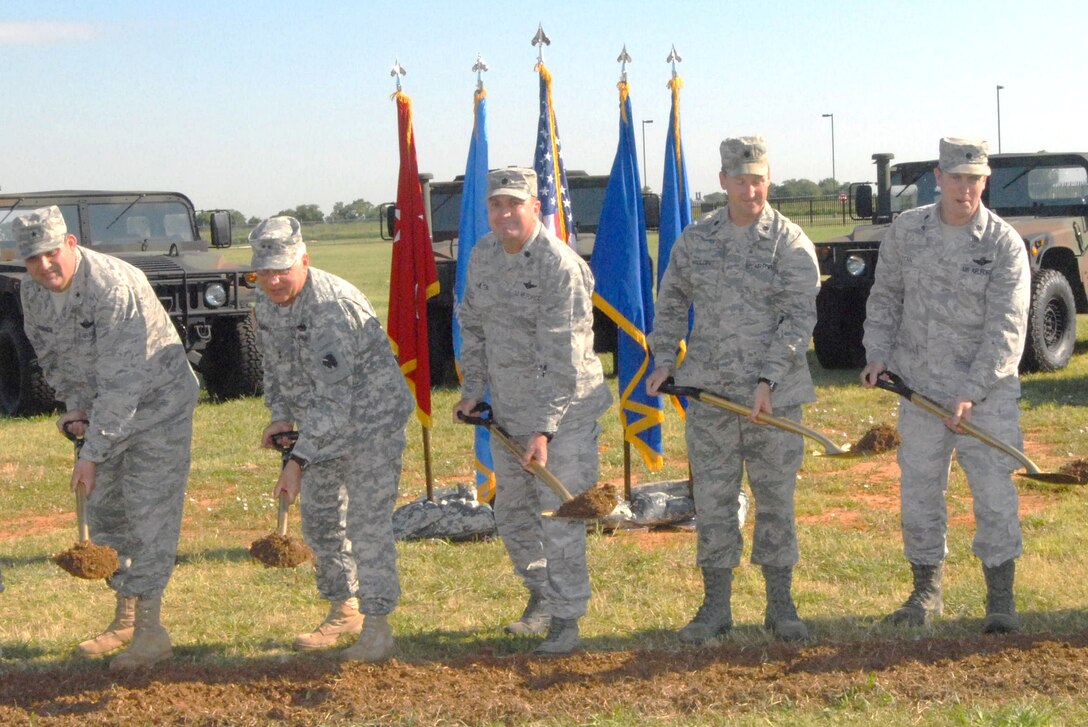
[{"x": 260, "y": 106}]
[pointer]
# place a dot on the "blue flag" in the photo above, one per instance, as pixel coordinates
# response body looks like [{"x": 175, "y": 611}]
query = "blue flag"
[
  {"x": 675, "y": 199},
  {"x": 551, "y": 174},
  {"x": 624, "y": 291},
  {"x": 473, "y": 225}
]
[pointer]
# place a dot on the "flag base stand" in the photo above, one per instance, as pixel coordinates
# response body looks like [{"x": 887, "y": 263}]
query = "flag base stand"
[{"x": 454, "y": 514}]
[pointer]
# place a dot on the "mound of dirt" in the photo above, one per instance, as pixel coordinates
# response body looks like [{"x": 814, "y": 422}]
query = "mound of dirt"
[
  {"x": 881, "y": 438},
  {"x": 1077, "y": 468},
  {"x": 595, "y": 502},
  {"x": 680, "y": 686},
  {"x": 87, "y": 560},
  {"x": 280, "y": 551}
]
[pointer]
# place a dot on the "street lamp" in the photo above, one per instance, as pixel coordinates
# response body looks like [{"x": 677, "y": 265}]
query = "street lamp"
[
  {"x": 645, "y": 183},
  {"x": 832, "y": 117},
  {"x": 999, "y": 118}
]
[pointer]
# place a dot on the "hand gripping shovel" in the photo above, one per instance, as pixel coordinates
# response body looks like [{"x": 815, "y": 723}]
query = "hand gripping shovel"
[
  {"x": 594, "y": 503},
  {"x": 85, "y": 559},
  {"x": 280, "y": 550},
  {"x": 830, "y": 448},
  {"x": 891, "y": 382}
]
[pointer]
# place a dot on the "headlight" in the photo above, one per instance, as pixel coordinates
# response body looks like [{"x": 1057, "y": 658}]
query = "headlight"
[
  {"x": 855, "y": 265},
  {"x": 215, "y": 295}
]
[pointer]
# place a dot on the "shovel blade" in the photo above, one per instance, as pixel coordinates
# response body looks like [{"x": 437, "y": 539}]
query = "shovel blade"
[{"x": 1054, "y": 478}]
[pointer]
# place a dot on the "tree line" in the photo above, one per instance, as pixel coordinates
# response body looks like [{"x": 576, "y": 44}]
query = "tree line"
[{"x": 358, "y": 210}]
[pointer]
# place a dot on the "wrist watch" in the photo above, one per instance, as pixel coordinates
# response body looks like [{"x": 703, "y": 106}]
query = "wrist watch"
[
  {"x": 547, "y": 435},
  {"x": 772, "y": 385},
  {"x": 302, "y": 462}
]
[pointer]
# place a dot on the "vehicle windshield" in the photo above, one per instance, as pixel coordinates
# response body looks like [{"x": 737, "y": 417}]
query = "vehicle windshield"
[
  {"x": 127, "y": 222},
  {"x": 1033, "y": 185}
]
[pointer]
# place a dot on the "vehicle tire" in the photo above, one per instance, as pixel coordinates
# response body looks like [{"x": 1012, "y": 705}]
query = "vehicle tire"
[
  {"x": 23, "y": 389},
  {"x": 1052, "y": 323},
  {"x": 231, "y": 364},
  {"x": 840, "y": 320}
]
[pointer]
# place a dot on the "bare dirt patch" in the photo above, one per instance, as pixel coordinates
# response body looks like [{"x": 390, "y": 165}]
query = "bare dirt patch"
[{"x": 660, "y": 684}]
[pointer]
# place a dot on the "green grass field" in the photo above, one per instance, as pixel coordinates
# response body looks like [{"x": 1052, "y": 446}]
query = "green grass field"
[{"x": 223, "y": 609}]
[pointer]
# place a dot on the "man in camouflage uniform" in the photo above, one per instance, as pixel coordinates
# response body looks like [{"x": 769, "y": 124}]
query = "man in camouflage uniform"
[
  {"x": 948, "y": 313},
  {"x": 112, "y": 355},
  {"x": 752, "y": 278},
  {"x": 527, "y": 328},
  {"x": 329, "y": 371}
]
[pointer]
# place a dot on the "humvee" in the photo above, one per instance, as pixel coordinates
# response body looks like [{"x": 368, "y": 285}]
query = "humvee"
[
  {"x": 209, "y": 299},
  {"x": 442, "y": 200},
  {"x": 1044, "y": 196}
]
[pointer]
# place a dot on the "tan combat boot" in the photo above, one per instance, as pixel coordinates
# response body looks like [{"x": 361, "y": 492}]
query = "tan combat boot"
[
  {"x": 343, "y": 618},
  {"x": 117, "y": 634},
  {"x": 375, "y": 642},
  {"x": 150, "y": 640}
]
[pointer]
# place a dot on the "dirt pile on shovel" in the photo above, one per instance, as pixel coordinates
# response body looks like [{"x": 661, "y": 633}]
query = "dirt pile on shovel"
[
  {"x": 87, "y": 560},
  {"x": 280, "y": 551},
  {"x": 881, "y": 438},
  {"x": 1077, "y": 468},
  {"x": 594, "y": 503}
]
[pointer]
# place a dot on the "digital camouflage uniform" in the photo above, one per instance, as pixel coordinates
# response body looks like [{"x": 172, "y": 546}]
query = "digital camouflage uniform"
[
  {"x": 527, "y": 328},
  {"x": 329, "y": 368},
  {"x": 114, "y": 352},
  {"x": 951, "y": 320},
  {"x": 754, "y": 293}
]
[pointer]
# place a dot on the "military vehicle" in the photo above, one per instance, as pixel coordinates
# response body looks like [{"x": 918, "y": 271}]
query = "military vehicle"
[
  {"x": 209, "y": 299},
  {"x": 442, "y": 200},
  {"x": 1044, "y": 196}
]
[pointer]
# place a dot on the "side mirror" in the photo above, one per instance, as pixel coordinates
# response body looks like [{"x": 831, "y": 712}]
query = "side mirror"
[
  {"x": 221, "y": 229},
  {"x": 387, "y": 213},
  {"x": 863, "y": 201}
]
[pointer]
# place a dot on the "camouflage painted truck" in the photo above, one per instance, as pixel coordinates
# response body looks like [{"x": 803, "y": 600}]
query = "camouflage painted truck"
[
  {"x": 209, "y": 299},
  {"x": 1044, "y": 196},
  {"x": 442, "y": 200}
]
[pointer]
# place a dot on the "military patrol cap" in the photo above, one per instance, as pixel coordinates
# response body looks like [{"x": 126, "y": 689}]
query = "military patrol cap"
[
  {"x": 744, "y": 155},
  {"x": 517, "y": 182},
  {"x": 277, "y": 243},
  {"x": 964, "y": 156},
  {"x": 39, "y": 231}
]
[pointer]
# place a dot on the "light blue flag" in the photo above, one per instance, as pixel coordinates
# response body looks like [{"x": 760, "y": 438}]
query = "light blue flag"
[
  {"x": 473, "y": 225},
  {"x": 675, "y": 200},
  {"x": 624, "y": 291}
]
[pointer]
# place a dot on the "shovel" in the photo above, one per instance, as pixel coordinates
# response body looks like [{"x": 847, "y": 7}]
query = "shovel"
[
  {"x": 891, "y": 382},
  {"x": 85, "y": 559},
  {"x": 830, "y": 448},
  {"x": 589, "y": 505},
  {"x": 280, "y": 550}
]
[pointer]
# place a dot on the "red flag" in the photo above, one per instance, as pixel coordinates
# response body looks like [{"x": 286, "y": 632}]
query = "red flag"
[{"x": 414, "y": 278}]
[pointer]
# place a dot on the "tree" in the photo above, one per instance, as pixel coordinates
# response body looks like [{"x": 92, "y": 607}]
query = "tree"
[
  {"x": 304, "y": 213},
  {"x": 204, "y": 218},
  {"x": 360, "y": 209},
  {"x": 794, "y": 188},
  {"x": 831, "y": 186}
]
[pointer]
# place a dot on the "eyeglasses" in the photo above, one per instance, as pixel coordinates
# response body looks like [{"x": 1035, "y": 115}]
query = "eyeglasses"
[{"x": 274, "y": 273}]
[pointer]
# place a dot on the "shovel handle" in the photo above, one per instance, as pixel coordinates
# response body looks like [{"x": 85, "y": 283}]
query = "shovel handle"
[
  {"x": 485, "y": 420},
  {"x": 892, "y": 382},
  {"x": 693, "y": 392},
  {"x": 81, "y": 515},
  {"x": 82, "y": 525},
  {"x": 281, "y": 520}
]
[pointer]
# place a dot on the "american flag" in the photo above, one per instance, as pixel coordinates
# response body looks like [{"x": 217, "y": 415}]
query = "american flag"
[{"x": 555, "y": 210}]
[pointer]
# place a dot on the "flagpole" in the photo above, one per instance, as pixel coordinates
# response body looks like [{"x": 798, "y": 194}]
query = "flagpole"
[
  {"x": 427, "y": 462},
  {"x": 413, "y": 269}
]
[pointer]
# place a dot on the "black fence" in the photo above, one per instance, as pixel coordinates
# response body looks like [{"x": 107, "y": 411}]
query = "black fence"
[{"x": 828, "y": 209}]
